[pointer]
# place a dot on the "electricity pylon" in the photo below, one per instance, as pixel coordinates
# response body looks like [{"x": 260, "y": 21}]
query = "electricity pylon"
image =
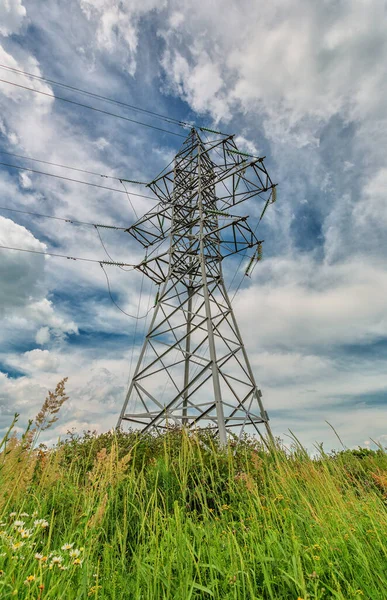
[{"x": 186, "y": 236}]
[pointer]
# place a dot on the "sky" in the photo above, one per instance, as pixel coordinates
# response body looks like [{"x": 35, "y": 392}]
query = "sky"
[{"x": 303, "y": 83}]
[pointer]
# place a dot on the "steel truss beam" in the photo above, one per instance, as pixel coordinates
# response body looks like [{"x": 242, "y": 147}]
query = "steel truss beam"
[{"x": 193, "y": 314}]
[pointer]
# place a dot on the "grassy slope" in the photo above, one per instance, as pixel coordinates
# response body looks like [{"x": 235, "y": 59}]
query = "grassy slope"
[{"x": 172, "y": 518}]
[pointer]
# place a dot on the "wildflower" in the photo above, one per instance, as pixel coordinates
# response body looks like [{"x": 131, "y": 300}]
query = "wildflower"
[
  {"x": 1, "y": 572},
  {"x": 67, "y": 546},
  {"x": 12, "y": 514},
  {"x": 38, "y": 556},
  {"x": 24, "y": 514},
  {"x": 75, "y": 553},
  {"x": 62, "y": 568},
  {"x": 56, "y": 560},
  {"x": 225, "y": 507},
  {"x": 17, "y": 545},
  {"x": 34, "y": 514},
  {"x": 17, "y": 524},
  {"x": 359, "y": 593},
  {"x": 41, "y": 523},
  {"x": 316, "y": 547},
  {"x": 316, "y": 557},
  {"x": 41, "y": 587},
  {"x": 77, "y": 561},
  {"x": 29, "y": 579},
  {"x": 25, "y": 533},
  {"x": 3, "y": 524}
]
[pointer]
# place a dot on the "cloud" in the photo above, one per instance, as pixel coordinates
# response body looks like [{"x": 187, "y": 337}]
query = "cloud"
[
  {"x": 116, "y": 25},
  {"x": 40, "y": 359},
  {"x": 43, "y": 336},
  {"x": 21, "y": 275},
  {"x": 300, "y": 83},
  {"x": 301, "y": 303},
  {"x": 297, "y": 64},
  {"x": 12, "y": 13}
]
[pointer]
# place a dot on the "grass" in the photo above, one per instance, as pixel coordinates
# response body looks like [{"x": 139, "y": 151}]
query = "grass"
[{"x": 124, "y": 516}]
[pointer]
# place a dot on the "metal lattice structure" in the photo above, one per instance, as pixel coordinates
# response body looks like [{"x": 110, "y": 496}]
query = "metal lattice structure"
[{"x": 186, "y": 237}]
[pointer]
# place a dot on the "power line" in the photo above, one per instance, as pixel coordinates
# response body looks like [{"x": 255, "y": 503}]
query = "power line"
[
  {"x": 129, "y": 198},
  {"x": 104, "y": 262},
  {"x": 103, "y": 187},
  {"x": 46, "y": 162},
  {"x": 105, "y": 112},
  {"x": 100, "y": 97},
  {"x": 71, "y": 221},
  {"x": 115, "y": 303}
]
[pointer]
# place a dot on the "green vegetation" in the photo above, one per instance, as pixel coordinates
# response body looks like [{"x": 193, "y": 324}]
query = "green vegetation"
[{"x": 123, "y": 516}]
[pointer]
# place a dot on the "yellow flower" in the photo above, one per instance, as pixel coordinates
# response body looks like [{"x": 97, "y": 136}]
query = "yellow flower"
[
  {"x": 31, "y": 578},
  {"x": 316, "y": 557},
  {"x": 77, "y": 561},
  {"x": 316, "y": 547},
  {"x": 225, "y": 507}
]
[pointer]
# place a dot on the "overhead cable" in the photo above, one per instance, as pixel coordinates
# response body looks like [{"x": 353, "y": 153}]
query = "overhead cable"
[
  {"x": 102, "y": 263},
  {"x": 92, "y": 260},
  {"x": 100, "y": 97},
  {"x": 103, "y": 187},
  {"x": 105, "y": 112},
  {"x": 46, "y": 162},
  {"x": 71, "y": 221}
]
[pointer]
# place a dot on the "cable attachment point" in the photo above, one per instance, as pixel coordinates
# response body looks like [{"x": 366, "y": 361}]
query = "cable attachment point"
[{"x": 257, "y": 256}]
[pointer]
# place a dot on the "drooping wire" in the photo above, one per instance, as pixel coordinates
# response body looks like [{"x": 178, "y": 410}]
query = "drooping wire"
[
  {"x": 129, "y": 198},
  {"x": 166, "y": 118},
  {"x": 135, "y": 334},
  {"x": 99, "y": 110},
  {"x": 104, "y": 247},
  {"x": 115, "y": 303}
]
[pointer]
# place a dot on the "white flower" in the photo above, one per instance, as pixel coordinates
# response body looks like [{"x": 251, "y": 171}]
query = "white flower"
[
  {"x": 38, "y": 556},
  {"x": 18, "y": 523},
  {"x": 24, "y": 515},
  {"x": 34, "y": 514},
  {"x": 17, "y": 545},
  {"x": 56, "y": 560},
  {"x": 41, "y": 523},
  {"x": 26, "y": 533},
  {"x": 67, "y": 546},
  {"x": 13, "y": 514},
  {"x": 74, "y": 553}
]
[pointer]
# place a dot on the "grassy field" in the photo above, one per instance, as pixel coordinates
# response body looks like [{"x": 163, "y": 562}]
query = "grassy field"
[{"x": 119, "y": 516}]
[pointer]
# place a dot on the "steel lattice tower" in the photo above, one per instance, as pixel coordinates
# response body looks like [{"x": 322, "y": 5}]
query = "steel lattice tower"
[{"x": 196, "y": 223}]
